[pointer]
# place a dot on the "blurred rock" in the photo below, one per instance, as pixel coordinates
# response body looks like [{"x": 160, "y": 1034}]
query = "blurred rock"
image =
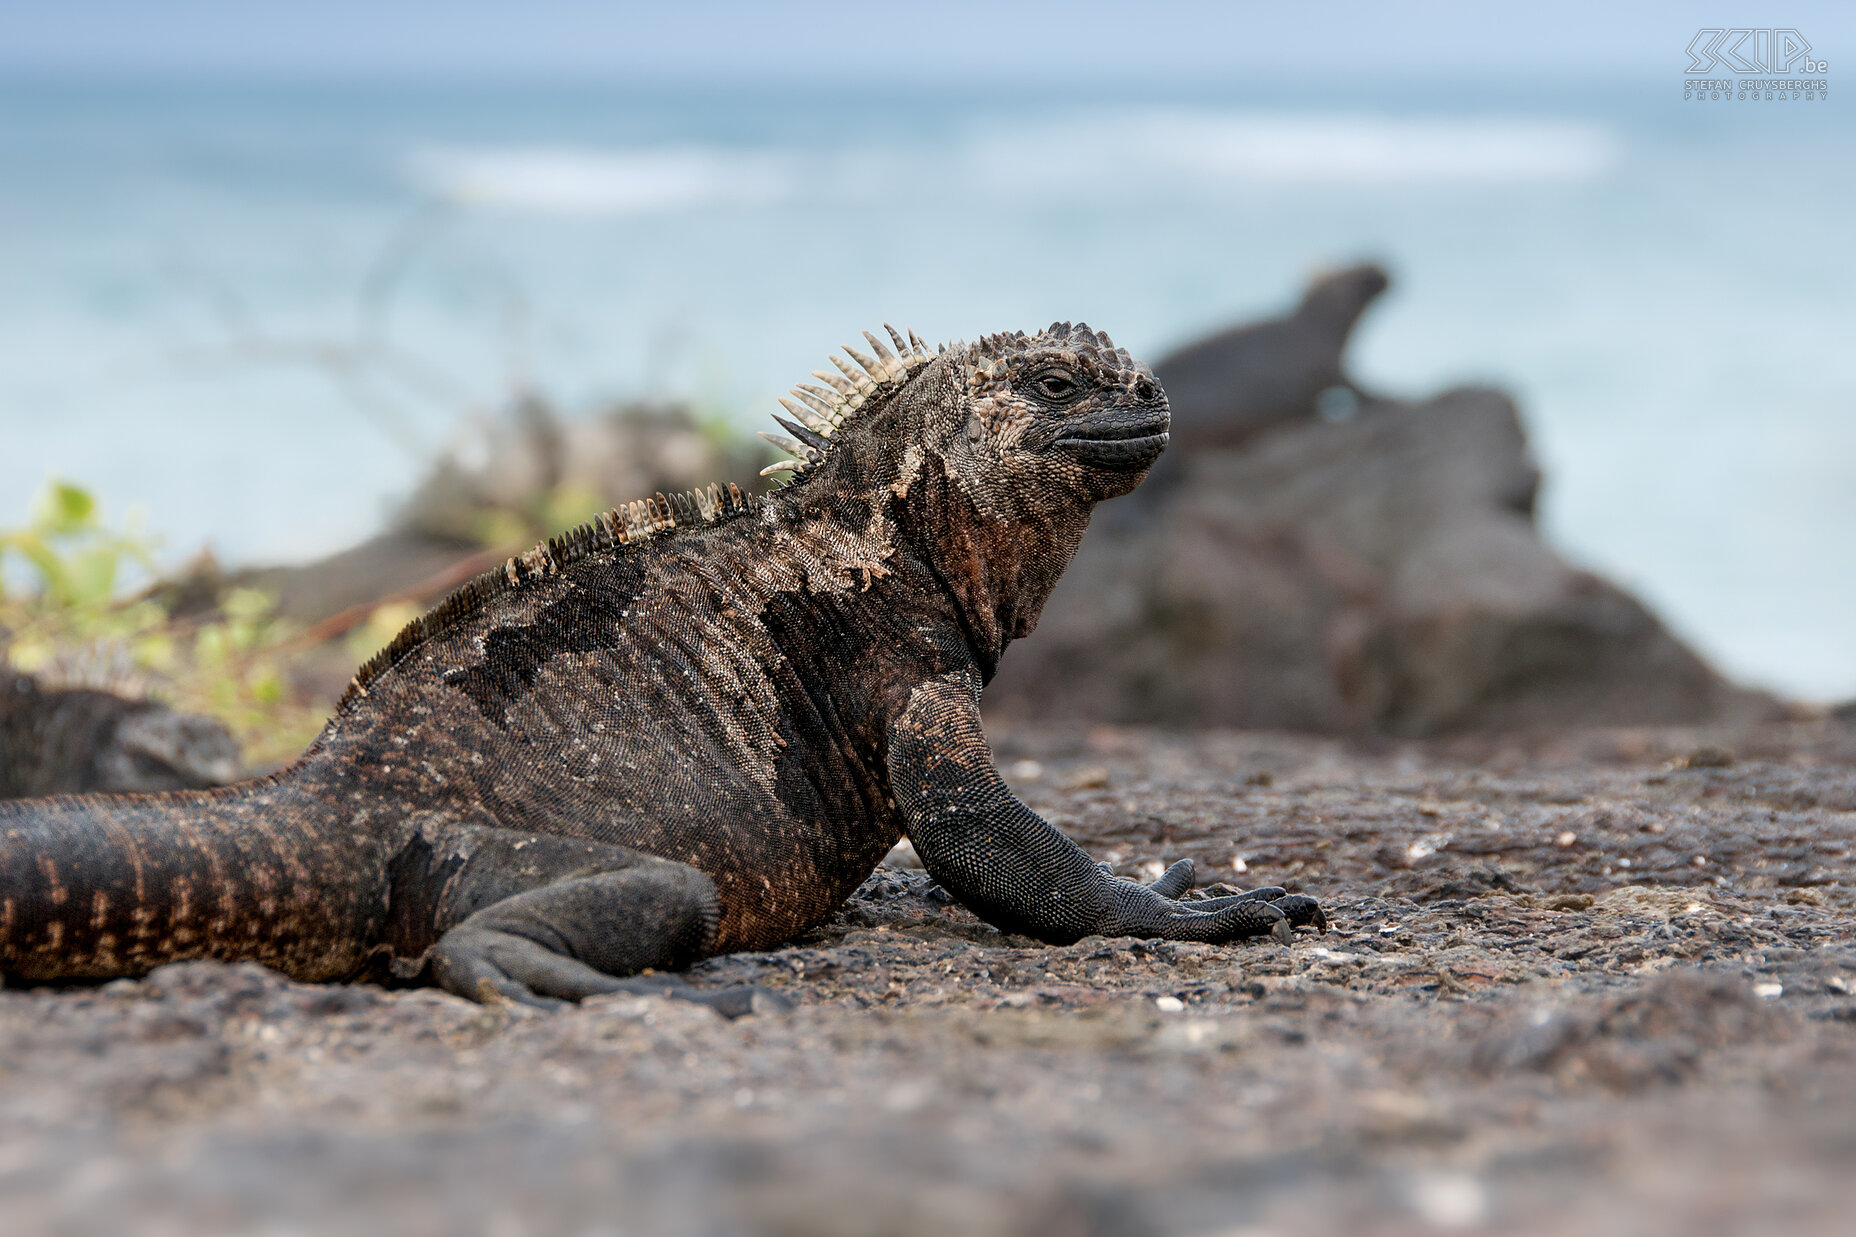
[
  {"x": 1657, "y": 1034},
  {"x": 1233, "y": 385},
  {"x": 69, "y": 741},
  {"x": 511, "y": 481},
  {"x": 1382, "y": 572},
  {"x": 627, "y": 452}
]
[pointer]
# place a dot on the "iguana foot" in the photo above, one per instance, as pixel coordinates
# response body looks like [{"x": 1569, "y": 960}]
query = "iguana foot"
[
  {"x": 1299, "y": 910},
  {"x": 583, "y": 933},
  {"x": 1161, "y": 909},
  {"x": 492, "y": 967}
]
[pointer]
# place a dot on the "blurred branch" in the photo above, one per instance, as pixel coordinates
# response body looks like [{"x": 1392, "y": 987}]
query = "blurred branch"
[
  {"x": 381, "y": 379},
  {"x": 422, "y": 594},
  {"x": 347, "y": 367}
]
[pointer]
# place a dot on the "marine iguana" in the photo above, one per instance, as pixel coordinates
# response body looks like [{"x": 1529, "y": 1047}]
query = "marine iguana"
[
  {"x": 62, "y": 740},
  {"x": 690, "y": 727}
]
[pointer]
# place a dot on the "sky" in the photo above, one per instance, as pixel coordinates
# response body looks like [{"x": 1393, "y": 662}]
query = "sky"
[{"x": 1078, "y": 43}]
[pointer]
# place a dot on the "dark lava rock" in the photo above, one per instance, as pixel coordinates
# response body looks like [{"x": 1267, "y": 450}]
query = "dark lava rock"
[
  {"x": 1234, "y": 385},
  {"x": 1383, "y": 572}
]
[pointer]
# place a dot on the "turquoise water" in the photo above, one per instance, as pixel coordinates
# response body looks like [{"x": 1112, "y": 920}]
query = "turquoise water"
[{"x": 248, "y": 311}]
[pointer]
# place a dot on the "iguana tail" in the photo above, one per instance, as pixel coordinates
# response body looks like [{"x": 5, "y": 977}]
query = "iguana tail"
[{"x": 100, "y": 886}]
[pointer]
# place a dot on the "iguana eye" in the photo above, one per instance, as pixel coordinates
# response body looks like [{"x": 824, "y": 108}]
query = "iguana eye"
[{"x": 1057, "y": 386}]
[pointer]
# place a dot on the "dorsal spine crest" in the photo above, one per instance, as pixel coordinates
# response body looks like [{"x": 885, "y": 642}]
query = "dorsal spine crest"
[
  {"x": 821, "y": 411},
  {"x": 623, "y": 525}
]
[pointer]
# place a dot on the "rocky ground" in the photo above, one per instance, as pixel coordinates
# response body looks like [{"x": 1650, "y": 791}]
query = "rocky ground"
[{"x": 1592, "y": 983}]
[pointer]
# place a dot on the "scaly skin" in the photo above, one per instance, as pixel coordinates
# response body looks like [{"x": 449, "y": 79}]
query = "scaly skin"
[{"x": 692, "y": 727}]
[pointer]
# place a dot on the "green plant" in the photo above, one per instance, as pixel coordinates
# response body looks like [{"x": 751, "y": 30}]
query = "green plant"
[
  {"x": 72, "y": 625},
  {"x": 78, "y": 564},
  {"x": 77, "y": 559}
]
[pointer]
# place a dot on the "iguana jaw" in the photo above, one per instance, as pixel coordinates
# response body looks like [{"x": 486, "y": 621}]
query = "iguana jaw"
[{"x": 1116, "y": 443}]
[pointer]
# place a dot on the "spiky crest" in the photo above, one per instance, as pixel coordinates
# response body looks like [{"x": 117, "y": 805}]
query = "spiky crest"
[
  {"x": 823, "y": 410},
  {"x": 992, "y": 353},
  {"x": 626, "y": 524}
]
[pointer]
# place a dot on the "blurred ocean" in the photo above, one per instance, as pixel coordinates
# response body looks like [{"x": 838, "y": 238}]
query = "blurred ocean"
[{"x": 247, "y": 310}]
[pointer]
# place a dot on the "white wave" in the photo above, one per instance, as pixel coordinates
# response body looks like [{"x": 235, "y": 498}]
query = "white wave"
[
  {"x": 1288, "y": 148},
  {"x": 1107, "y": 155},
  {"x": 1368, "y": 148},
  {"x": 565, "y": 180}
]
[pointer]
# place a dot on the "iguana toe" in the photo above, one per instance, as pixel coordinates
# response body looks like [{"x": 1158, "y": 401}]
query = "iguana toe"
[{"x": 1301, "y": 911}]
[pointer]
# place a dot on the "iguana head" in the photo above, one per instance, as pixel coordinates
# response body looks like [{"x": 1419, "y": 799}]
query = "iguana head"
[
  {"x": 986, "y": 458},
  {"x": 1060, "y": 416}
]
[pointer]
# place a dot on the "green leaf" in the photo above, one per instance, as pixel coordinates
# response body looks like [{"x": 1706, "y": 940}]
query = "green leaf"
[{"x": 64, "y": 509}]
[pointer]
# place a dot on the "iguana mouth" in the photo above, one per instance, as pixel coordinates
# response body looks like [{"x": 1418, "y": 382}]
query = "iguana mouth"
[{"x": 1116, "y": 445}]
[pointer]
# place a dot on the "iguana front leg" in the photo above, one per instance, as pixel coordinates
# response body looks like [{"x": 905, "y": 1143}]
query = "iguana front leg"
[{"x": 1011, "y": 868}]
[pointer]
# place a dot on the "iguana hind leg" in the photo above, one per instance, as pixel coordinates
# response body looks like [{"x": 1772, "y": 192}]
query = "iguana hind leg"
[{"x": 540, "y": 920}]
